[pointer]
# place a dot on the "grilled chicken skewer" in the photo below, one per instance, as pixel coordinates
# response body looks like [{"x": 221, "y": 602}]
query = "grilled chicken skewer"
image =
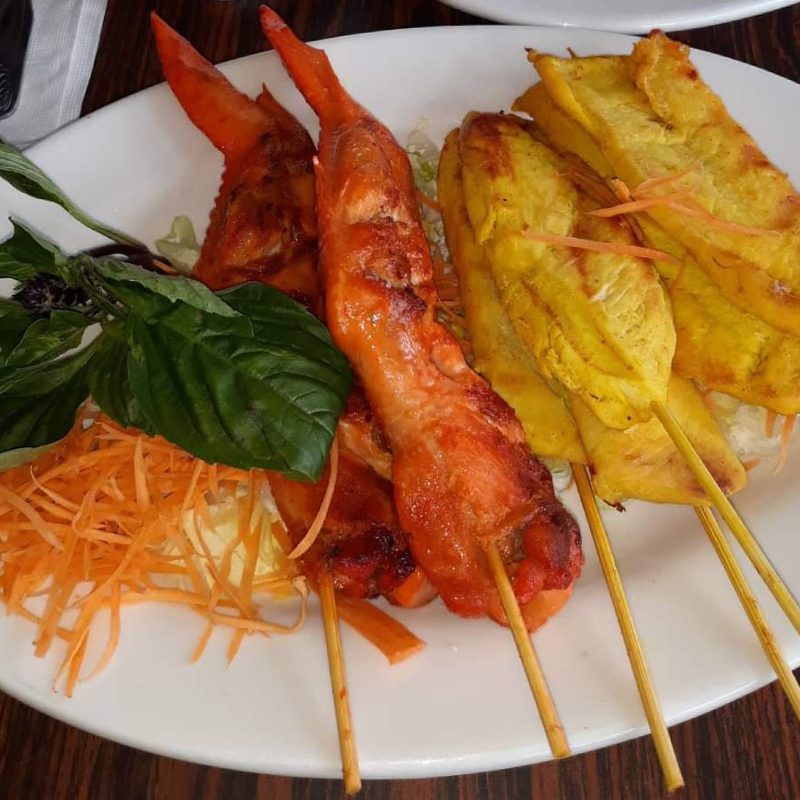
[
  {"x": 499, "y": 214},
  {"x": 654, "y": 117},
  {"x": 753, "y": 360},
  {"x": 464, "y": 480},
  {"x": 504, "y": 360},
  {"x": 718, "y": 344}
]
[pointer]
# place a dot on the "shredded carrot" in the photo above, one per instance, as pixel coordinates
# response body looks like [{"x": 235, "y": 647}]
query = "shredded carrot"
[
  {"x": 694, "y": 209},
  {"x": 769, "y": 423},
  {"x": 203, "y": 641},
  {"x": 391, "y": 637},
  {"x": 751, "y": 464},
  {"x": 424, "y": 200},
  {"x": 600, "y": 247},
  {"x": 663, "y": 180},
  {"x": 634, "y": 206},
  {"x": 786, "y": 433},
  {"x": 98, "y": 522},
  {"x": 17, "y": 503},
  {"x": 113, "y": 637},
  {"x": 319, "y": 520},
  {"x": 641, "y": 198}
]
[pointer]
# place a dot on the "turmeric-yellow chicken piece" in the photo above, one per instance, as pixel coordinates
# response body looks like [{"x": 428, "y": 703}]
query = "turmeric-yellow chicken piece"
[
  {"x": 643, "y": 462},
  {"x": 598, "y": 322},
  {"x": 718, "y": 344},
  {"x": 499, "y": 355},
  {"x": 667, "y": 135},
  {"x": 640, "y": 462}
]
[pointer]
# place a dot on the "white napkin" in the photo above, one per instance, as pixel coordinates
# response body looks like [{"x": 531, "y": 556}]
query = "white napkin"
[{"x": 58, "y": 65}]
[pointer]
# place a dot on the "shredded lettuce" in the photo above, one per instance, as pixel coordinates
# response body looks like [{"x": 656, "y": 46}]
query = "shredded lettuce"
[
  {"x": 225, "y": 518},
  {"x": 745, "y": 427},
  {"x": 423, "y": 154},
  {"x": 180, "y": 245},
  {"x": 561, "y": 472}
]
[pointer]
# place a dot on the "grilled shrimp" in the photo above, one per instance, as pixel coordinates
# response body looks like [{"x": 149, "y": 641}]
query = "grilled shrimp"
[
  {"x": 463, "y": 475},
  {"x": 263, "y": 227}
]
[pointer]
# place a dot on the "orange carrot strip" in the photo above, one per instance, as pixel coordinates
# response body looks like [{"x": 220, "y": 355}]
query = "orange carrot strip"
[
  {"x": 235, "y": 643},
  {"x": 75, "y": 667},
  {"x": 601, "y": 247},
  {"x": 769, "y": 423},
  {"x": 201, "y": 644},
  {"x": 695, "y": 210},
  {"x": 55, "y": 496},
  {"x": 25, "y": 508},
  {"x": 391, "y": 637},
  {"x": 425, "y": 200},
  {"x": 634, "y": 206},
  {"x": 113, "y": 636},
  {"x": 786, "y": 432},
  {"x": 319, "y": 520},
  {"x": 663, "y": 180}
]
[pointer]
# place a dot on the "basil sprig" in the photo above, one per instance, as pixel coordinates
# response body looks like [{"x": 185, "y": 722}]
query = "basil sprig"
[{"x": 245, "y": 377}]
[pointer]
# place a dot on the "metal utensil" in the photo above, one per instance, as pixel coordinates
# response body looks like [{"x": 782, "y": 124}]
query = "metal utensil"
[{"x": 16, "y": 17}]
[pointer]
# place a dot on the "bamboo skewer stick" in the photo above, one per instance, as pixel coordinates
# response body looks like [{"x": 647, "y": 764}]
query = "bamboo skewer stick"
[
  {"x": 751, "y": 607},
  {"x": 341, "y": 699},
  {"x": 655, "y": 718},
  {"x": 728, "y": 513},
  {"x": 533, "y": 670}
]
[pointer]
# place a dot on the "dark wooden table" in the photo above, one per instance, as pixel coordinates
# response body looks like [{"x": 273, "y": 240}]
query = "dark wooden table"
[{"x": 749, "y": 750}]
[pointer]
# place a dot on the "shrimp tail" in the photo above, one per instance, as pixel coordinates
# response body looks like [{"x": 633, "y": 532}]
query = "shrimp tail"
[
  {"x": 310, "y": 70},
  {"x": 231, "y": 120}
]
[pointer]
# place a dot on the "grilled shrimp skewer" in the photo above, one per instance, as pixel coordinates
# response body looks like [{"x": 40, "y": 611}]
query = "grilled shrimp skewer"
[
  {"x": 464, "y": 479},
  {"x": 466, "y": 486},
  {"x": 263, "y": 227}
]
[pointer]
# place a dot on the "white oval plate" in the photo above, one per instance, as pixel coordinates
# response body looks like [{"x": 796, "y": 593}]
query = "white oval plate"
[
  {"x": 627, "y": 16},
  {"x": 463, "y": 704}
]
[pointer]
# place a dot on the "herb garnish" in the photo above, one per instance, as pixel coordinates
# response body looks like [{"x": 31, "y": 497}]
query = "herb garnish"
[{"x": 245, "y": 377}]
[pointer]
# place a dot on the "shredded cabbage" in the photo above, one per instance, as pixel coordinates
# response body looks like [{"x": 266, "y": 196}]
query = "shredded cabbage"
[
  {"x": 180, "y": 245},
  {"x": 745, "y": 427},
  {"x": 225, "y": 518},
  {"x": 423, "y": 154}
]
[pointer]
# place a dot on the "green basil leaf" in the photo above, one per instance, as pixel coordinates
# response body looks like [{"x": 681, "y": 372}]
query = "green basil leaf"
[
  {"x": 38, "y": 403},
  {"x": 14, "y": 321},
  {"x": 49, "y": 338},
  {"x": 29, "y": 179},
  {"x": 109, "y": 383},
  {"x": 25, "y": 254},
  {"x": 124, "y": 279},
  {"x": 264, "y": 394}
]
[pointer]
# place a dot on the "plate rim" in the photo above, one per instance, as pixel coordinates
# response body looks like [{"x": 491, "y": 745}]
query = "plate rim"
[
  {"x": 443, "y": 766},
  {"x": 733, "y": 11}
]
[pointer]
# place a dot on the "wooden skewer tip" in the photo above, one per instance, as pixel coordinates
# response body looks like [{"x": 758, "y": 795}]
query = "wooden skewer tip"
[
  {"x": 341, "y": 698},
  {"x": 665, "y": 751},
  {"x": 729, "y": 514},
  {"x": 556, "y": 737},
  {"x": 752, "y": 609}
]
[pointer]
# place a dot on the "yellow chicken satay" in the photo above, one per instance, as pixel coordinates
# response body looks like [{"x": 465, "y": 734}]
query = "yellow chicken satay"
[
  {"x": 642, "y": 462},
  {"x": 718, "y": 344},
  {"x": 598, "y": 322},
  {"x": 663, "y": 131},
  {"x": 499, "y": 355}
]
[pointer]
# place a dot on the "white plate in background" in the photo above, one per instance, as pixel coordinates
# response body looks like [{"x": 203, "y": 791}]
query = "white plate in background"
[{"x": 627, "y": 16}]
